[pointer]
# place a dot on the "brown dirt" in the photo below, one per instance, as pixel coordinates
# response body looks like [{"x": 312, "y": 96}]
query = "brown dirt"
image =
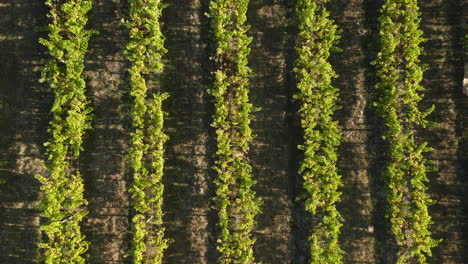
[
  {"x": 188, "y": 174},
  {"x": 102, "y": 163},
  {"x": 356, "y": 160},
  {"x": 442, "y": 22},
  {"x": 271, "y": 47},
  {"x": 24, "y": 118}
]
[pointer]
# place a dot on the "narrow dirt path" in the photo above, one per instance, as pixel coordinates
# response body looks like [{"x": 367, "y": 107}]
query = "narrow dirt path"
[
  {"x": 102, "y": 163},
  {"x": 441, "y": 23},
  {"x": 356, "y": 164},
  {"x": 188, "y": 171},
  {"x": 24, "y": 106},
  {"x": 271, "y": 91}
]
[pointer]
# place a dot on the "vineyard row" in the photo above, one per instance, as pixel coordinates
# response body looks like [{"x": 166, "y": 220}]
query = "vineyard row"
[{"x": 400, "y": 73}]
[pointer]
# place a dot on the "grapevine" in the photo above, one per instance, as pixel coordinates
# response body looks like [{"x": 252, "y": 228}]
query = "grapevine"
[
  {"x": 235, "y": 200},
  {"x": 317, "y": 38},
  {"x": 400, "y": 73},
  {"x": 146, "y": 155},
  {"x": 63, "y": 203}
]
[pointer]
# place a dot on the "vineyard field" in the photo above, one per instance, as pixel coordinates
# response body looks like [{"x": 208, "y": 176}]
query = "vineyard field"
[{"x": 233, "y": 132}]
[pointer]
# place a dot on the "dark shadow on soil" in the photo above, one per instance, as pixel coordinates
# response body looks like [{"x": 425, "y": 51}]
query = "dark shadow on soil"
[
  {"x": 24, "y": 106},
  {"x": 357, "y": 157},
  {"x": 301, "y": 219},
  {"x": 189, "y": 177},
  {"x": 462, "y": 117},
  {"x": 270, "y": 90},
  {"x": 385, "y": 245},
  {"x": 441, "y": 23},
  {"x": 461, "y": 105},
  {"x": 102, "y": 162},
  {"x": 209, "y": 66}
]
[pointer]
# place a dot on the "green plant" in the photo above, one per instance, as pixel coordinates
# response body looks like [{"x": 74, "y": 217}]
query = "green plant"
[
  {"x": 146, "y": 155},
  {"x": 235, "y": 200},
  {"x": 400, "y": 73},
  {"x": 317, "y": 38},
  {"x": 63, "y": 203}
]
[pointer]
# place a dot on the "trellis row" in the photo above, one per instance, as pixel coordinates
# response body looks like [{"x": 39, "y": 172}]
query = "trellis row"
[
  {"x": 400, "y": 72},
  {"x": 318, "y": 36},
  {"x": 235, "y": 200},
  {"x": 145, "y": 51},
  {"x": 63, "y": 203}
]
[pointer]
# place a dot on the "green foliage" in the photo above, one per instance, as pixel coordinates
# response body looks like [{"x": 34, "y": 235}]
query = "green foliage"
[
  {"x": 146, "y": 155},
  {"x": 235, "y": 200},
  {"x": 317, "y": 38},
  {"x": 63, "y": 201},
  {"x": 400, "y": 73}
]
